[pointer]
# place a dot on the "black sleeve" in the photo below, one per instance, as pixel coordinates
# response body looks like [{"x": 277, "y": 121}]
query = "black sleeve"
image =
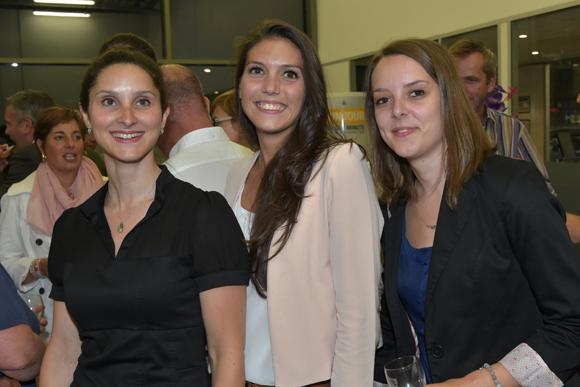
[
  {"x": 21, "y": 164},
  {"x": 535, "y": 221},
  {"x": 220, "y": 254}
]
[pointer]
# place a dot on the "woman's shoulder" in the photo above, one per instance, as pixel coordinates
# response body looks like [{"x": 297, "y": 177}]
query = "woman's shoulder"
[
  {"x": 24, "y": 186},
  {"x": 344, "y": 153},
  {"x": 505, "y": 171}
]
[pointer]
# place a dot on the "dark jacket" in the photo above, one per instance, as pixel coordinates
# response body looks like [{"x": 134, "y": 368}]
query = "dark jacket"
[{"x": 503, "y": 271}]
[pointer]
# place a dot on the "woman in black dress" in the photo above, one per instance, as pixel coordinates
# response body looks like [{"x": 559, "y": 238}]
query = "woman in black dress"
[{"x": 149, "y": 266}]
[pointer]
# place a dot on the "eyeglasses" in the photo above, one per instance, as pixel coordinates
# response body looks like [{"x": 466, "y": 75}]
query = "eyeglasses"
[{"x": 216, "y": 121}]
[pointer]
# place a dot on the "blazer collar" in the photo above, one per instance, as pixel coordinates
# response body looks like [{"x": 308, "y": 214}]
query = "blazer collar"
[{"x": 450, "y": 225}]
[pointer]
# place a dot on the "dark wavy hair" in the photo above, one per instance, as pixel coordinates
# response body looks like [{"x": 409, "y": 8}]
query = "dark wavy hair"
[
  {"x": 121, "y": 56},
  {"x": 282, "y": 187},
  {"x": 467, "y": 144}
]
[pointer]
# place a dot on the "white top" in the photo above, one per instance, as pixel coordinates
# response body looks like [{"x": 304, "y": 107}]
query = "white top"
[
  {"x": 20, "y": 245},
  {"x": 204, "y": 157},
  {"x": 258, "y": 351}
]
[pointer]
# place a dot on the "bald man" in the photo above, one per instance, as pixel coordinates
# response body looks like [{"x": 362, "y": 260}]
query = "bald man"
[{"x": 199, "y": 153}]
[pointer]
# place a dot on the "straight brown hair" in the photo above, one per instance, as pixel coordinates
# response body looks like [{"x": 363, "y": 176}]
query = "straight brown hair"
[{"x": 467, "y": 143}]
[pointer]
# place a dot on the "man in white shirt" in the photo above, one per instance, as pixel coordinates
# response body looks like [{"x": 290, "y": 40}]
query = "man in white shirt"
[{"x": 199, "y": 153}]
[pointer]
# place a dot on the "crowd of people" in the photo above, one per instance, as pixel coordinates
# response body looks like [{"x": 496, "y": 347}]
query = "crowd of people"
[{"x": 267, "y": 250}]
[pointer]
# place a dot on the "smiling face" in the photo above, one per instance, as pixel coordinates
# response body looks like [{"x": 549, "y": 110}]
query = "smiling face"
[
  {"x": 408, "y": 109},
  {"x": 475, "y": 82},
  {"x": 64, "y": 148},
  {"x": 272, "y": 88},
  {"x": 125, "y": 112}
]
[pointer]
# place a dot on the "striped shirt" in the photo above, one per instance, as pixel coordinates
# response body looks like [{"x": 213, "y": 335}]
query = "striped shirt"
[{"x": 513, "y": 140}]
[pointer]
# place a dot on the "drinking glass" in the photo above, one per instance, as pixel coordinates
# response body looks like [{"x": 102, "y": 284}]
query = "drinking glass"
[
  {"x": 406, "y": 371},
  {"x": 33, "y": 300}
]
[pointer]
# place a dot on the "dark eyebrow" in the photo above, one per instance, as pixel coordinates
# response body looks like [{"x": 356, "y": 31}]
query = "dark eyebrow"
[
  {"x": 284, "y": 65},
  {"x": 142, "y": 92}
]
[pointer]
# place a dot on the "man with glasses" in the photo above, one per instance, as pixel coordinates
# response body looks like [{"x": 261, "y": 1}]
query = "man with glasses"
[{"x": 199, "y": 153}]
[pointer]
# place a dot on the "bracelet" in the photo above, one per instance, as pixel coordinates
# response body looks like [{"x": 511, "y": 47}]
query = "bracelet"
[
  {"x": 483, "y": 375},
  {"x": 35, "y": 268},
  {"x": 488, "y": 367}
]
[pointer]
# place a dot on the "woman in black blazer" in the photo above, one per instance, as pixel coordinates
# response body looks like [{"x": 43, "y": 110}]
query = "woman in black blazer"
[{"x": 479, "y": 267}]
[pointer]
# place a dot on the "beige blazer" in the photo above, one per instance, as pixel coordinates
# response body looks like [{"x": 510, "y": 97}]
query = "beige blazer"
[{"x": 323, "y": 286}]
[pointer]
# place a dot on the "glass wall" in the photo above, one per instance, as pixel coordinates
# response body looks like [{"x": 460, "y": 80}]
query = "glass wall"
[
  {"x": 487, "y": 35},
  {"x": 546, "y": 71}
]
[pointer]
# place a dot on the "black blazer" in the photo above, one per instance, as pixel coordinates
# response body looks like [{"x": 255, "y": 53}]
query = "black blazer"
[{"x": 503, "y": 271}]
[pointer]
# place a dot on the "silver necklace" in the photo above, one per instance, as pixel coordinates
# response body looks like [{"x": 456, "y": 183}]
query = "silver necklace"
[{"x": 121, "y": 226}]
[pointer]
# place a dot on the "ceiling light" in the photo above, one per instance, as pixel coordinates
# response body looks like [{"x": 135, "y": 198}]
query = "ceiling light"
[
  {"x": 216, "y": 92},
  {"x": 207, "y": 70},
  {"x": 523, "y": 36},
  {"x": 70, "y": 2},
  {"x": 535, "y": 52},
  {"x": 62, "y": 14},
  {"x": 14, "y": 64},
  {"x": 575, "y": 65}
]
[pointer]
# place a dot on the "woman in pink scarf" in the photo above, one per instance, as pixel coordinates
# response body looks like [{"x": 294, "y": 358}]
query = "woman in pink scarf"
[{"x": 65, "y": 179}]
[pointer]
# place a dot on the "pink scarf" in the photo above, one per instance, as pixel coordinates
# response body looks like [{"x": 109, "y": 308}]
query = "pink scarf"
[{"x": 49, "y": 199}]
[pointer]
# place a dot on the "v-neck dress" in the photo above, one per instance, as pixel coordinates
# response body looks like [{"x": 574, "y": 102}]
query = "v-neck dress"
[{"x": 138, "y": 313}]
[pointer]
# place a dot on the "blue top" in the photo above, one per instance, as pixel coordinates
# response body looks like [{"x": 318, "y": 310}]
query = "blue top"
[
  {"x": 13, "y": 310},
  {"x": 412, "y": 285}
]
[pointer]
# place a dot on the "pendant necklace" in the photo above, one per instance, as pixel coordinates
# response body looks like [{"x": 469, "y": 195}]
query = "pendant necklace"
[
  {"x": 121, "y": 226},
  {"x": 431, "y": 226}
]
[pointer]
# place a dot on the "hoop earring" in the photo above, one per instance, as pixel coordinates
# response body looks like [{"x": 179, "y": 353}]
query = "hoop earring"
[
  {"x": 162, "y": 130},
  {"x": 43, "y": 157}
]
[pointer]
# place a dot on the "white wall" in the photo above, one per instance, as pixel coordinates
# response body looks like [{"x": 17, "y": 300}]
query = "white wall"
[{"x": 349, "y": 30}]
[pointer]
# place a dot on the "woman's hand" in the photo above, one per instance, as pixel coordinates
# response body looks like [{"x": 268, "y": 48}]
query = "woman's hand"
[
  {"x": 481, "y": 378},
  {"x": 42, "y": 266}
]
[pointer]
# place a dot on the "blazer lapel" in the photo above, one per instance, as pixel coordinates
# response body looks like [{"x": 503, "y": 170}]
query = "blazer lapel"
[
  {"x": 237, "y": 181},
  {"x": 450, "y": 225}
]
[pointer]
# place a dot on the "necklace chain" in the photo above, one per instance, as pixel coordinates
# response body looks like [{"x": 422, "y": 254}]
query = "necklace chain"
[
  {"x": 431, "y": 226},
  {"x": 121, "y": 226}
]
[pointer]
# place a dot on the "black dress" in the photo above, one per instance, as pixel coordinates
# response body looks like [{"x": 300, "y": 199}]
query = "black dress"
[{"x": 138, "y": 313}]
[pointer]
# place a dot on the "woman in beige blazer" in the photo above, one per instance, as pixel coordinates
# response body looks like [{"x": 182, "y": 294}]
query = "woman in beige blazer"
[{"x": 307, "y": 205}]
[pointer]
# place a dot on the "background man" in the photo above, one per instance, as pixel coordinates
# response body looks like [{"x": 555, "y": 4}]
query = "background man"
[
  {"x": 199, "y": 153},
  {"x": 477, "y": 65},
  {"x": 22, "y": 109}
]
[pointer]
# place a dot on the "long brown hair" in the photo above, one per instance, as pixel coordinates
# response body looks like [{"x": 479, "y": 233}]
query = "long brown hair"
[
  {"x": 467, "y": 143},
  {"x": 282, "y": 187}
]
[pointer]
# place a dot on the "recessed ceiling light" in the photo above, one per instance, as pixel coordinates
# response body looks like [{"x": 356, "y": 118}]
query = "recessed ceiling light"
[
  {"x": 216, "y": 92},
  {"x": 523, "y": 36},
  {"x": 535, "y": 52},
  {"x": 61, "y": 14},
  {"x": 14, "y": 64},
  {"x": 70, "y": 2},
  {"x": 207, "y": 70}
]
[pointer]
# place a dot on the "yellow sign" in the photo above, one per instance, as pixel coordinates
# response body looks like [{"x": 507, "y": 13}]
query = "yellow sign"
[{"x": 348, "y": 116}]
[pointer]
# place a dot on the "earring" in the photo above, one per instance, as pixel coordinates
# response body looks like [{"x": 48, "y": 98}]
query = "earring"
[
  {"x": 43, "y": 156},
  {"x": 162, "y": 130},
  {"x": 89, "y": 130}
]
